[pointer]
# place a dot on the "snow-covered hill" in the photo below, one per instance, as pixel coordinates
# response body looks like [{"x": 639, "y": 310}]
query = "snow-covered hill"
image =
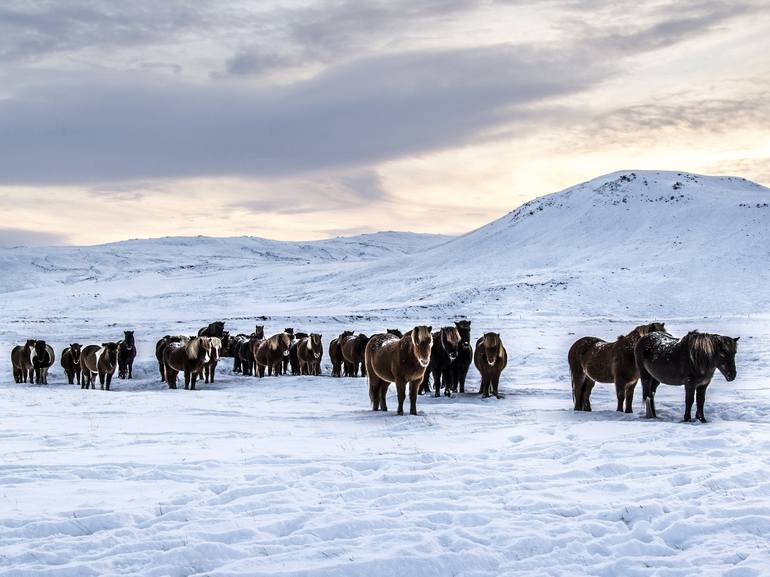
[{"x": 636, "y": 244}]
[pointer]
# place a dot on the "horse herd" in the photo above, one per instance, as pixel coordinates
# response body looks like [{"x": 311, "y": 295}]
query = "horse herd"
[{"x": 408, "y": 359}]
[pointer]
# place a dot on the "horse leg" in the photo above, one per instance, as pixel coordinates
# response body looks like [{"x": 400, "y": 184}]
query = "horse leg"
[
  {"x": 620, "y": 393},
  {"x": 193, "y": 379},
  {"x": 363, "y": 369},
  {"x": 413, "y": 397},
  {"x": 630, "y": 396},
  {"x": 484, "y": 389},
  {"x": 495, "y": 385},
  {"x": 436, "y": 373},
  {"x": 578, "y": 383},
  {"x": 131, "y": 369},
  {"x": 109, "y": 380},
  {"x": 186, "y": 379},
  {"x": 447, "y": 378},
  {"x": 700, "y": 399},
  {"x": 383, "y": 395},
  {"x": 587, "y": 388},
  {"x": 401, "y": 392},
  {"x": 171, "y": 378},
  {"x": 101, "y": 381},
  {"x": 689, "y": 399}
]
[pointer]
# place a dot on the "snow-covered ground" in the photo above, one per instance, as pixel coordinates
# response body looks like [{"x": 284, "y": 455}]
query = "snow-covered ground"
[{"x": 296, "y": 476}]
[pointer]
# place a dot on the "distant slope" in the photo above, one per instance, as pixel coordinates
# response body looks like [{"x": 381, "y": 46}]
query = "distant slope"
[
  {"x": 630, "y": 244},
  {"x": 633, "y": 242}
]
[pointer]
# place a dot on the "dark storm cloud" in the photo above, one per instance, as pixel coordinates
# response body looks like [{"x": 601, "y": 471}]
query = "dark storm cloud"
[
  {"x": 23, "y": 237},
  {"x": 369, "y": 110}
]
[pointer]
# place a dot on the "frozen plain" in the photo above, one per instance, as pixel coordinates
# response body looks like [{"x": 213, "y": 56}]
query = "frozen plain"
[{"x": 295, "y": 476}]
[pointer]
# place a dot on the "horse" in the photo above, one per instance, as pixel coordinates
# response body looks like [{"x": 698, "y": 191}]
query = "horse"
[
  {"x": 309, "y": 352},
  {"x": 126, "y": 355},
  {"x": 459, "y": 370},
  {"x": 210, "y": 368},
  {"x": 390, "y": 359},
  {"x": 287, "y": 359},
  {"x": 259, "y": 332},
  {"x": 395, "y": 332},
  {"x": 593, "y": 360},
  {"x": 42, "y": 359},
  {"x": 690, "y": 361},
  {"x": 189, "y": 358},
  {"x": 335, "y": 353},
  {"x": 21, "y": 360},
  {"x": 296, "y": 369},
  {"x": 160, "y": 347},
  {"x": 70, "y": 362},
  {"x": 353, "y": 353},
  {"x": 99, "y": 360},
  {"x": 215, "y": 329},
  {"x": 270, "y": 354},
  {"x": 490, "y": 358},
  {"x": 225, "y": 339},
  {"x": 446, "y": 344},
  {"x": 234, "y": 345}
]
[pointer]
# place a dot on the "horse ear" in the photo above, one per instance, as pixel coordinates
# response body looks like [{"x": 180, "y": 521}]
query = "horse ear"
[
  {"x": 430, "y": 329},
  {"x": 736, "y": 339}
]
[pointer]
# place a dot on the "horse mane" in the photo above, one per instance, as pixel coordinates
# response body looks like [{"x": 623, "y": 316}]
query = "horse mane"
[
  {"x": 701, "y": 349},
  {"x": 193, "y": 347}
]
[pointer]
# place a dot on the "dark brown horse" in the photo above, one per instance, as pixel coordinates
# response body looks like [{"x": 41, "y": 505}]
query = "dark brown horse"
[
  {"x": 21, "y": 360},
  {"x": 70, "y": 362},
  {"x": 310, "y": 350},
  {"x": 98, "y": 360},
  {"x": 271, "y": 352},
  {"x": 395, "y": 332},
  {"x": 690, "y": 361},
  {"x": 462, "y": 363},
  {"x": 287, "y": 359},
  {"x": 593, "y": 360},
  {"x": 390, "y": 359},
  {"x": 335, "y": 353},
  {"x": 126, "y": 355},
  {"x": 296, "y": 369},
  {"x": 353, "y": 352},
  {"x": 43, "y": 358},
  {"x": 446, "y": 344},
  {"x": 215, "y": 329},
  {"x": 490, "y": 358},
  {"x": 160, "y": 347},
  {"x": 188, "y": 358}
]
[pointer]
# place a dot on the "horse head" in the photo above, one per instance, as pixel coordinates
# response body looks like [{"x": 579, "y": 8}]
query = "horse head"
[
  {"x": 492, "y": 345},
  {"x": 450, "y": 340},
  {"x": 725, "y": 357},
  {"x": 259, "y": 332},
  {"x": 75, "y": 349},
  {"x": 464, "y": 328},
  {"x": 315, "y": 345},
  {"x": 128, "y": 340},
  {"x": 422, "y": 342}
]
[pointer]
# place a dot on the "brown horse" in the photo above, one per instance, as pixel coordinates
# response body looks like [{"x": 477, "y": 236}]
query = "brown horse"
[
  {"x": 271, "y": 352},
  {"x": 70, "y": 362},
  {"x": 126, "y": 355},
  {"x": 210, "y": 368},
  {"x": 21, "y": 360},
  {"x": 593, "y": 360},
  {"x": 43, "y": 358},
  {"x": 490, "y": 358},
  {"x": 287, "y": 359},
  {"x": 293, "y": 357},
  {"x": 309, "y": 353},
  {"x": 390, "y": 359},
  {"x": 99, "y": 360},
  {"x": 189, "y": 358},
  {"x": 335, "y": 353},
  {"x": 353, "y": 353},
  {"x": 160, "y": 347}
]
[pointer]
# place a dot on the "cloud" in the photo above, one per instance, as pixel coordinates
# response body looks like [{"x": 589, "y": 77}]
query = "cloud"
[
  {"x": 352, "y": 115},
  {"x": 30, "y": 30},
  {"x": 24, "y": 237}
]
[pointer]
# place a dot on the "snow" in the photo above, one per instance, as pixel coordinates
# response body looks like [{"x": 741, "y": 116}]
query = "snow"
[{"x": 296, "y": 476}]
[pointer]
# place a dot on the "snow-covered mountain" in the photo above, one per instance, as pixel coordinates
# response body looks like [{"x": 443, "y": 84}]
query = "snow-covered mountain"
[{"x": 631, "y": 244}]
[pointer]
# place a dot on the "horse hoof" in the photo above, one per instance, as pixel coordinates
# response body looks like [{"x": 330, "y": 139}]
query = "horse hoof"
[
  {"x": 702, "y": 419},
  {"x": 687, "y": 420}
]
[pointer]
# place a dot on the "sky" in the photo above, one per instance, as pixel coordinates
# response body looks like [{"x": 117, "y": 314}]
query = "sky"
[{"x": 305, "y": 120}]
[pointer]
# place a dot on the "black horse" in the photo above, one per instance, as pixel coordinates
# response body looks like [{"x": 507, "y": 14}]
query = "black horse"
[
  {"x": 443, "y": 353},
  {"x": 293, "y": 356},
  {"x": 689, "y": 361},
  {"x": 126, "y": 355},
  {"x": 215, "y": 329},
  {"x": 462, "y": 363}
]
